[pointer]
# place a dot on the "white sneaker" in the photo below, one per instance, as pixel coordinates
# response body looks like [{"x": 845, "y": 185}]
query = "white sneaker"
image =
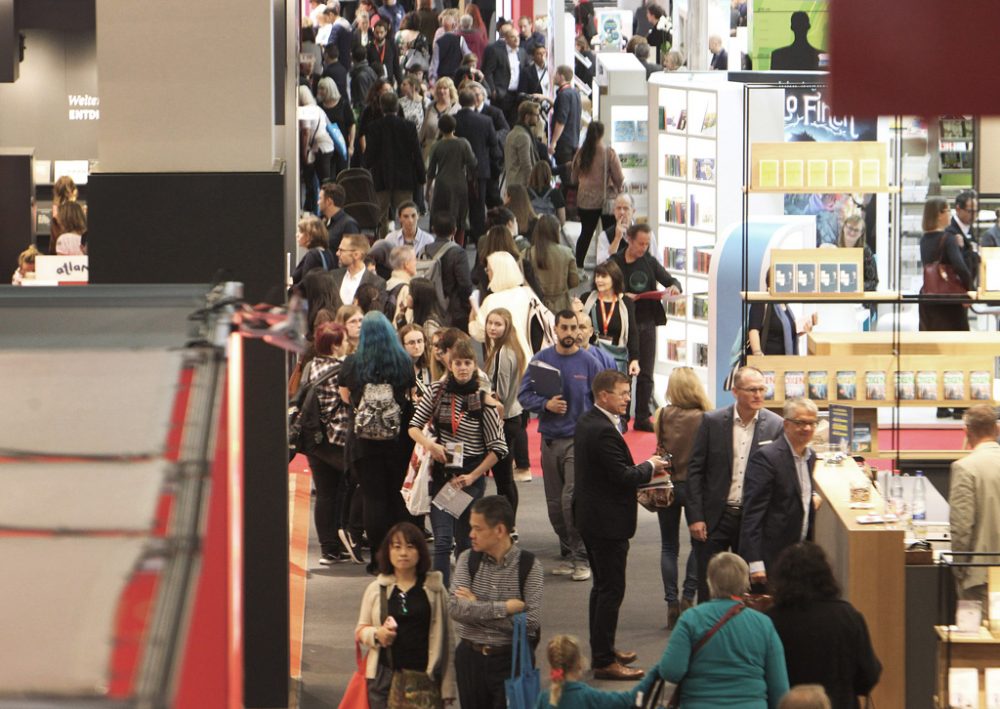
[
  {"x": 564, "y": 569},
  {"x": 581, "y": 573},
  {"x": 522, "y": 475}
]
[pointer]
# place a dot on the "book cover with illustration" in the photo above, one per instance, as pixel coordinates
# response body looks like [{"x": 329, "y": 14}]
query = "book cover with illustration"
[
  {"x": 904, "y": 385},
  {"x": 980, "y": 386},
  {"x": 829, "y": 276},
  {"x": 805, "y": 278},
  {"x": 927, "y": 385},
  {"x": 817, "y": 385},
  {"x": 875, "y": 386},
  {"x": 783, "y": 280},
  {"x": 795, "y": 384},
  {"x": 954, "y": 385},
  {"x": 861, "y": 438},
  {"x": 849, "y": 278},
  {"x": 704, "y": 169},
  {"x": 768, "y": 385},
  {"x": 642, "y": 131},
  {"x": 847, "y": 385},
  {"x": 624, "y": 131}
]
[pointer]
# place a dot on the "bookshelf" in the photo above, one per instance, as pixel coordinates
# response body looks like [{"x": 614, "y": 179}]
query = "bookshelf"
[
  {"x": 624, "y": 113},
  {"x": 695, "y": 168}
]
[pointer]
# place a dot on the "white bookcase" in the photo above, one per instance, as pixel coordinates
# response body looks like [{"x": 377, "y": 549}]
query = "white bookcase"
[{"x": 695, "y": 192}]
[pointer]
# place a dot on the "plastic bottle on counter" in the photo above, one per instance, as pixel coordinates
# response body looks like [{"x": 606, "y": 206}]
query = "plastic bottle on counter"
[
  {"x": 919, "y": 497},
  {"x": 896, "y": 499}
]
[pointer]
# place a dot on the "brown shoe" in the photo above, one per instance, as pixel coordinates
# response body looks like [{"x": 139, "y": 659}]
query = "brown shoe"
[
  {"x": 618, "y": 671},
  {"x": 686, "y": 603},
  {"x": 673, "y": 613},
  {"x": 626, "y": 658}
]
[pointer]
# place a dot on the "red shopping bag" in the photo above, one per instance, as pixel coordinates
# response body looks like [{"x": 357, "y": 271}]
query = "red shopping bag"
[{"x": 356, "y": 696}]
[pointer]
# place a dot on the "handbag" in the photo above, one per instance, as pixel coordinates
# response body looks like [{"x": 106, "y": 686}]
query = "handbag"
[
  {"x": 617, "y": 352},
  {"x": 675, "y": 698},
  {"x": 941, "y": 278},
  {"x": 655, "y": 498},
  {"x": 416, "y": 490},
  {"x": 337, "y": 136},
  {"x": 356, "y": 696},
  {"x": 413, "y": 689},
  {"x": 523, "y": 687}
]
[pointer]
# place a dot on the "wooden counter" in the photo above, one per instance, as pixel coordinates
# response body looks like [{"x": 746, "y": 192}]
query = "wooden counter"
[
  {"x": 869, "y": 563},
  {"x": 839, "y": 344},
  {"x": 955, "y": 650}
]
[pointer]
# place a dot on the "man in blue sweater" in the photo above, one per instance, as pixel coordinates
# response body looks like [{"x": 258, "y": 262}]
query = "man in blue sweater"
[{"x": 557, "y": 418}]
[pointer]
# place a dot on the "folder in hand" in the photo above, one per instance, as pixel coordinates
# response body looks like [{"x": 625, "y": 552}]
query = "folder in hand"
[{"x": 546, "y": 380}]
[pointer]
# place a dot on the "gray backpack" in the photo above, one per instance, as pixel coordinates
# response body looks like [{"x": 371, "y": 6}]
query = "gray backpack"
[
  {"x": 430, "y": 268},
  {"x": 378, "y": 416}
]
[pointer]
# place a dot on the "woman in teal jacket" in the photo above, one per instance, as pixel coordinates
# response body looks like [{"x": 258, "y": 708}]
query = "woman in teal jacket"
[{"x": 743, "y": 665}]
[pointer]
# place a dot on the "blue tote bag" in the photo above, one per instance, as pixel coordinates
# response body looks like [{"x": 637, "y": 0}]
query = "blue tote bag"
[{"x": 523, "y": 687}]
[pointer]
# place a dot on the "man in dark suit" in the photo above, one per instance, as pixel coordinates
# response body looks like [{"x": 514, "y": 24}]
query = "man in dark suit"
[
  {"x": 332, "y": 289},
  {"x": 502, "y": 64},
  {"x": 335, "y": 70},
  {"x": 478, "y": 130},
  {"x": 394, "y": 158},
  {"x": 779, "y": 502},
  {"x": 535, "y": 80},
  {"x": 493, "y": 198},
  {"x": 720, "y": 59},
  {"x": 604, "y": 507},
  {"x": 338, "y": 222},
  {"x": 716, "y": 471}
]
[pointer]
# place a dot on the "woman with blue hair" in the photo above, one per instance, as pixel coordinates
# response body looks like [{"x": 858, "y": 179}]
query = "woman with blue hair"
[{"x": 378, "y": 380}]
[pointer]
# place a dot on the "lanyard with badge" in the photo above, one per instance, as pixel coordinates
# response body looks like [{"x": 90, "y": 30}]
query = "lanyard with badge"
[{"x": 455, "y": 451}]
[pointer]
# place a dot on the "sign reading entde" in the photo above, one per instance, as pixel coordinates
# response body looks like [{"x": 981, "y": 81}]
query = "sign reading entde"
[{"x": 83, "y": 107}]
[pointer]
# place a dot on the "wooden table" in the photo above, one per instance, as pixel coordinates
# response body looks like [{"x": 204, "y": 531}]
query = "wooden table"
[{"x": 957, "y": 650}]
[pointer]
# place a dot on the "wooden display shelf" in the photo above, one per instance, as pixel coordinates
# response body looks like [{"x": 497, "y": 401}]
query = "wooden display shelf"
[
  {"x": 869, "y": 563},
  {"x": 937, "y": 455},
  {"x": 957, "y": 650},
  {"x": 807, "y": 167},
  {"x": 865, "y": 297},
  {"x": 910, "y": 343}
]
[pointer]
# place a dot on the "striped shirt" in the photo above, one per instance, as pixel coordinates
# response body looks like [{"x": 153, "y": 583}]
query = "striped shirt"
[
  {"x": 476, "y": 438},
  {"x": 485, "y": 620}
]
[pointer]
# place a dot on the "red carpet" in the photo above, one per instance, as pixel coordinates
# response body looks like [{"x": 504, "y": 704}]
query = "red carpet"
[{"x": 641, "y": 444}]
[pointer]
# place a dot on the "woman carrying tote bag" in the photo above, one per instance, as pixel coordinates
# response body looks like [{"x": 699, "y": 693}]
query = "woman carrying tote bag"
[{"x": 597, "y": 172}]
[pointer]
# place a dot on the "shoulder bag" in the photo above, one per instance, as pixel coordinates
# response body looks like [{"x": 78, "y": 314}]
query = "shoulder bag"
[
  {"x": 410, "y": 689},
  {"x": 416, "y": 486},
  {"x": 524, "y": 686},
  {"x": 940, "y": 278},
  {"x": 652, "y": 700}
]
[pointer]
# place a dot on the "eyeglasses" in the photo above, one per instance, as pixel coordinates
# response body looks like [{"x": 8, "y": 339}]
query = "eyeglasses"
[
  {"x": 804, "y": 423},
  {"x": 753, "y": 390}
]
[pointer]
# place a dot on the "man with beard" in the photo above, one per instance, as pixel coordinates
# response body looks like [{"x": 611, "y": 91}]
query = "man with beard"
[{"x": 557, "y": 417}]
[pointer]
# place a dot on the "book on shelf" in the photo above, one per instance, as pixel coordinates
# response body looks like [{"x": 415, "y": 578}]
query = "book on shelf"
[
  {"x": 861, "y": 438},
  {"x": 675, "y": 258},
  {"x": 818, "y": 385},
  {"x": 927, "y": 385},
  {"x": 843, "y": 173},
  {"x": 829, "y": 278},
  {"x": 633, "y": 160},
  {"x": 869, "y": 173},
  {"x": 847, "y": 385},
  {"x": 709, "y": 121},
  {"x": 637, "y": 189},
  {"x": 956, "y": 128},
  {"x": 793, "y": 173},
  {"x": 768, "y": 173},
  {"x": 642, "y": 131},
  {"x": 819, "y": 173},
  {"x": 703, "y": 258},
  {"x": 699, "y": 214},
  {"x": 674, "y": 166},
  {"x": 677, "y": 350},
  {"x": 661, "y": 118},
  {"x": 992, "y": 680},
  {"x": 805, "y": 278},
  {"x": 677, "y": 308},
  {"x": 980, "y": 385},
  {"x": 963, "y": 687},
  {"x": 624, "y": 131},
  {"x": 849, "y": 282},
  {"x": 795, "y": 384},
  {"x": 954, "y": 385},
  {"x": 699, "y": 306},
  {"x": 704, "y": 169},
  {"x": 675, "y": 211},
  {"x": 783, "y": 279},
  {"x": 875, "y": 386},
  {"x": 951, "y": 160},
  {"x": 682, "y": 120},
  {"x": 768, "y": 385},
  {"x": 700, "y": 354},
  {"x": 905, "y": 385}
]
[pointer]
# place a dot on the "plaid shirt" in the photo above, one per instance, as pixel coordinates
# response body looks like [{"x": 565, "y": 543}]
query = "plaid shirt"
[{"x": 333, "y": 410}]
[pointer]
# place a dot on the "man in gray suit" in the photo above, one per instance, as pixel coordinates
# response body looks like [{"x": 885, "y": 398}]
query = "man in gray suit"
[
  {"x": 975, "y": 489},
  {"x": 726, "y": 439}
]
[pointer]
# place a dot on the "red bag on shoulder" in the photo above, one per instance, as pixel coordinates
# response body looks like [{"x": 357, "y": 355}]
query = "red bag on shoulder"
[{"x": 356, "y": 696}]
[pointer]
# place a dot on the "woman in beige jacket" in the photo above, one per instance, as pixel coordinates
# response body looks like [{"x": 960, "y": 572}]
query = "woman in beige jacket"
[
  {"x": 597, "y": 173},
  {"x": 409, "y": 601}
]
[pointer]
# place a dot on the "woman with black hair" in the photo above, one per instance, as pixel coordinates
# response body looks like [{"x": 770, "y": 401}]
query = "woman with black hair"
[
  {"x": 826, "y": 640},
  {"x": 659, "y": 35},
  {"x": 449, "y": 166},
  {"x": 423, "y": 307},
  {"x": 371, "y": 113}
]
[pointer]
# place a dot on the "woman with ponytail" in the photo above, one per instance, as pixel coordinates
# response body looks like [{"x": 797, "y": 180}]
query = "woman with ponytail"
[{"x": 568, "y": 692}]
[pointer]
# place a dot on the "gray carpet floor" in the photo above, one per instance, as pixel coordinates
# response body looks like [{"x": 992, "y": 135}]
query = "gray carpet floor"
[{"x": 333, "y": 599}]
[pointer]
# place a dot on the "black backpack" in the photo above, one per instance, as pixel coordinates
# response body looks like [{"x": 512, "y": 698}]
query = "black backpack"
[{"x": 306, "y": 428}]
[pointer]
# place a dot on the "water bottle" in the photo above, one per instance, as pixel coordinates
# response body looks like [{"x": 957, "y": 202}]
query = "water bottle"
[
  {"x": 896, "y": 500},
  {"x": 919, "y": 497}
]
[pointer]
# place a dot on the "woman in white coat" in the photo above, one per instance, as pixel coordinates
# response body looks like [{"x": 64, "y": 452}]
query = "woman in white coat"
[{"x": 509, "y": 292}]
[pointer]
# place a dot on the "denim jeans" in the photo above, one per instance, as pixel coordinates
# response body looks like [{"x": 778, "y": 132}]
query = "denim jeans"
[
  {"x": 446, "y": 529},
  {"x": 670, "y": 520}
]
